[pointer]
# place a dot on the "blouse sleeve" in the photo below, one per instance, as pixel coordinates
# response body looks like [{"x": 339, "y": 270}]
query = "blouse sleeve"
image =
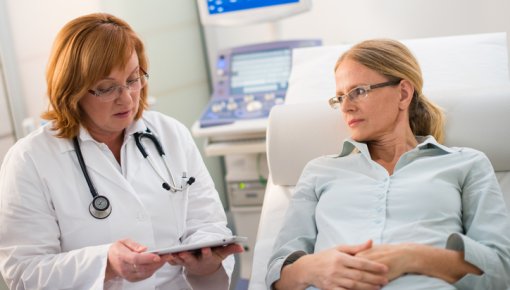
[
  {"x": 299, "y": 230},
  {"x": 486, "y": 237}
]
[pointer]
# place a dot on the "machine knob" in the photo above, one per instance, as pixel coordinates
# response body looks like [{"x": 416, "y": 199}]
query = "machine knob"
[
  {"x": 231, "y": 106},
  {"x": 254, "y": 106},
  {"x": 249, "y": 98},
  {"x": 217, "y": 107}
]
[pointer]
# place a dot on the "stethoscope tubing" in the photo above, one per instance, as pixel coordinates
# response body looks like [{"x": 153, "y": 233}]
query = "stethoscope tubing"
[
  {"x": 84, "y": 167},
  {"x": 100, "y": 207},
  {"x": 138, "y": 141}
]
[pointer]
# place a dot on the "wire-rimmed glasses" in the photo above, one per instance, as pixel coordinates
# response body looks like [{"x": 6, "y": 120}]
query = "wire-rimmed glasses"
[
  {"x": 113, "y": 92},
  {"x": 359, "y": 92}
]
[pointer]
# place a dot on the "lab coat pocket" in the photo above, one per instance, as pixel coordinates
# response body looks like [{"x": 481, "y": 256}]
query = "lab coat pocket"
[{"x": 80, "y": 230}]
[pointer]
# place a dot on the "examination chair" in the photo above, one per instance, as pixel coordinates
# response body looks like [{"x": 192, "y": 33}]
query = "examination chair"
[{"x": 477, "y": 118}]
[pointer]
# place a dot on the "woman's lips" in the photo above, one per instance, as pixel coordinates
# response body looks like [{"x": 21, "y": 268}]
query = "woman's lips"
[
  {"x": 354, "y": 122},
  {"x": 123, "y": 114}
]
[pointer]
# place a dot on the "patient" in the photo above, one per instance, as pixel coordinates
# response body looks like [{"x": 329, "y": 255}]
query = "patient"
[{"x": 396, "y": 208}]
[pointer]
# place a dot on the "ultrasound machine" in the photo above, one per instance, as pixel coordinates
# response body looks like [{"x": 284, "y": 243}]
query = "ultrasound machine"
[{"x": 249, "y": 81}]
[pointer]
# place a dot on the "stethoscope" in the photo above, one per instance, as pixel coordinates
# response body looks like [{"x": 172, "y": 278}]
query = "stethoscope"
[{"x": 100, "y": 207}]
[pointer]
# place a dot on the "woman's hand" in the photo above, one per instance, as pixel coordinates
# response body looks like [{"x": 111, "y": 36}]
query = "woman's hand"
[
  {"x": 444, "y": 264},
  {"x": 206, "y": 262},
  {"x": 336, "y": 268},
  {"x": 126, "y": 260},
  {"x": 397, "y": 258}
]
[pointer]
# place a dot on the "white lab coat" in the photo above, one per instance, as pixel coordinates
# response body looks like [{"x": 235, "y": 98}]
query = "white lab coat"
[{"x": 49, "y": 240}]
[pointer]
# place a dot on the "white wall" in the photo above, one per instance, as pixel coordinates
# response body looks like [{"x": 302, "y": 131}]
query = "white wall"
[
  {"x": 343, "y": 21},
  {"x": 346, "y": 21},
  {"x": 6, "y": 128},
  {"x": 33, "y": 25}
]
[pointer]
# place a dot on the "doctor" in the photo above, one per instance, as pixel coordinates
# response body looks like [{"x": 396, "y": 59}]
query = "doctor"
[{"x": 85, "y": 196}]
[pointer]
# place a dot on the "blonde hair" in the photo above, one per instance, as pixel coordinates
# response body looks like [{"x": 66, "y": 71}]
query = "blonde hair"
[
  {"x": 395, "y": 61},
  {"x": 86, "y": 50}
]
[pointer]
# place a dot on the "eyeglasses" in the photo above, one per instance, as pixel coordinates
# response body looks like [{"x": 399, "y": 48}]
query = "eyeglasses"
[
  {"x": 110, "y": 93},
  {"x": 358, "y": 93}
]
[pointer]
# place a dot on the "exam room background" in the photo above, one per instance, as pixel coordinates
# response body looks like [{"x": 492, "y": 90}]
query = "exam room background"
[{"x": 179, "y": 49}]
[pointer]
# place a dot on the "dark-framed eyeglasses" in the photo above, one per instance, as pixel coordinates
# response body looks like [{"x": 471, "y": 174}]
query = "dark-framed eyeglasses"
[
  {"x": 113, "y": 92},
  {"x": 359, "y": 92}
]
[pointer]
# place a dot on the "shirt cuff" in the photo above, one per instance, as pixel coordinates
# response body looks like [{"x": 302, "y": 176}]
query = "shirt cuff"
[
  {"x": 293, "y": 257},
  {"x": 475, "y": 253},
  {"x": 275, "y": 268},
  {"x": 274, "y": 271},
  {"x": 102, "y": 251}
]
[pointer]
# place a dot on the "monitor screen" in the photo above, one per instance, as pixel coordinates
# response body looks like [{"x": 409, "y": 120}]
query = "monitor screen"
[
  {"x": 224, "y": 6},
  {"x": 241, "y": 12},
  {"x": 262, "y": 71}
]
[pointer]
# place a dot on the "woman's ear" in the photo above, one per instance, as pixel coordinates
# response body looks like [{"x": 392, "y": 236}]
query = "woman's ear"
[{"x": 406, "y": 94}]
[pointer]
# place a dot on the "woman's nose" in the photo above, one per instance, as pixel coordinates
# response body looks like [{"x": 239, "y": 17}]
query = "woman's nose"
[
  {"x": 347, "y": 105},
  {"x": 124, "y": 95}
]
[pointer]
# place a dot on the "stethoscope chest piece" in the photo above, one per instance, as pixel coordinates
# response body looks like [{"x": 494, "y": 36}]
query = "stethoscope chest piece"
[{"x": 100, "y": 207}]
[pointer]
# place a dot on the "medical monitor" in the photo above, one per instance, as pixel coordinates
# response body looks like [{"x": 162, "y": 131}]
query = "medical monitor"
[
  {"x": 250, "y": 80},
  {"x": 261, "y": 71},
  {"x": 240, "y": 12}
]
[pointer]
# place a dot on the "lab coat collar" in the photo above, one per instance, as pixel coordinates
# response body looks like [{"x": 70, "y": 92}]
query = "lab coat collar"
[
  {"x": 136, "y": 126},
  {"x": 84, "y": 135},
  {"x": 424, "y": 142},
  {"x": 91, "y": 147}
]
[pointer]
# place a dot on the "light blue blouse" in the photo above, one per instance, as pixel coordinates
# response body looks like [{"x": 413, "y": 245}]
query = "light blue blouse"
[{"x": 439, "y": 196}]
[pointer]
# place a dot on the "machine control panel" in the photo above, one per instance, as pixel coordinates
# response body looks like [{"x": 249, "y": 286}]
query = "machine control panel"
[{"x": 249, "y": 81}]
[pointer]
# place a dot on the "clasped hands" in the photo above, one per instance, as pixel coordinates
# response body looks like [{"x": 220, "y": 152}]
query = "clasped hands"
[
  {"x": 128, "y": 260},
  {"x": 365, "y": 266}
]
